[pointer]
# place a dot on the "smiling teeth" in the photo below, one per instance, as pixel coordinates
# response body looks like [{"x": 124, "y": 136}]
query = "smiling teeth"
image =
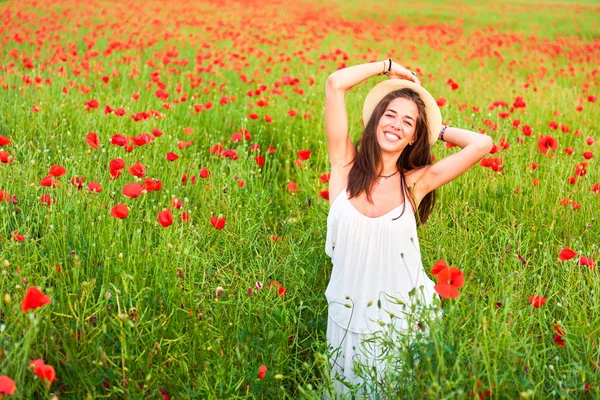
[{"x": 391, "y": 138}]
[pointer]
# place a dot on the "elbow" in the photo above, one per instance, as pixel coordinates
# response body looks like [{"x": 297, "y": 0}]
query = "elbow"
[
  {"x": 486, "y": 144},
  {"x": 333, "y": 83}
]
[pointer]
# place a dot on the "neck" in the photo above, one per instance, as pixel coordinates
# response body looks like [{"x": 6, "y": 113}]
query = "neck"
[{"x": 388, "y": 164}]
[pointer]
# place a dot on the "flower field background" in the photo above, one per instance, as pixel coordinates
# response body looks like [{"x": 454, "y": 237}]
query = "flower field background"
[{"x": 163, "y": 196}]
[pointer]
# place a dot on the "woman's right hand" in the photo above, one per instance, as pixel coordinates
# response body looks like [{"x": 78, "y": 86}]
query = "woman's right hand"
[{"x": 399, "y": 72}]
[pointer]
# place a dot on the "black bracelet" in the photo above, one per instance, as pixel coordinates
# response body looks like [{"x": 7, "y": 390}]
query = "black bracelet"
[
  {"x": 442, "y": 133},
  {"x": 389, "y": 69}
]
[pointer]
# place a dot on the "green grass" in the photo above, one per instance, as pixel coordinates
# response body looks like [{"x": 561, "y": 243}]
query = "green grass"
[{"x": 134, "y": 305}]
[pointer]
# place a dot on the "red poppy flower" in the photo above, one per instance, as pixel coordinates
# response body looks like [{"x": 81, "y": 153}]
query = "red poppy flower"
[
  {"x": 118, "y": 140},
  {"x": 218, "y": 223},
  {"x": 559, "y": 330},
  {"x": 527, "y": 131},
  {"x": 232, "y": 154},
  {"x": 589, "y": 140},
  {"x": 132, "y": 190},
  {"x": 137, "y": 169},
  {"x": 183, "y": 144},
  {"x": 569, "y": 150},
  {"x": 116, "y": 164},
  {"x": 303, "y": 154},
  {"x": 581, "y": 169},
  {"x": 114, "y": 174},
  {"x": 119, "y": 211},
  {"x": 292, "y": 187},
  {"x": 78, "y": 182},
  {"x": 262, "y": 371},
  {"x": 91, "y": 104},
  {"x": 18, "y": 237},
  {"x": 5, "y": 196},
  {"x": 452, "y": 276},
  {"x": 559, "y": 340},
  {"x": 449, "y": 279},
  {"x": 324, "y": 194},
  {"x": 45, "y": 372},
  {"x": 172, "y": 156},
  {"x": 566, "y": 254},
  {"x": 57, "y": 170},
  {"x": 537, "y": 301},
  {"x": 446, "y": 291},
  {"x": 165, "y": 218},
  {"x": 216, "y": 149},
  {"x": 438, "y": 266},
  {"x": 176, "y": 202},
  {"x": 94, "y": 187},
  {"x": 4, "y": 141},
  {"x": 33, "y": 299},
  {"x": 185, "y": 217},
  {"x": 204, "y": 173},
  {"x": 47, "y": 199},
  {"x": 260, "y": 160},
  {"x": 6, "y": 157},
  {"x": 48, "y": 181},
  {"x": 271, "y": 149},
  {"x": 545, "y": 143},
  {"x": 441, "y": 102},
  {"x": 587, "y": 262},
  {"x": 325, "y": 177},
  {"x": 7, "y": 385},
  {"x": 588, "y": 155},
  {"x": 92, "y": 140}
]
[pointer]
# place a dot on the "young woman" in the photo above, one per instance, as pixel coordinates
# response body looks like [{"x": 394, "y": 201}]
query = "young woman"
[{"x": 379, "y": 190}]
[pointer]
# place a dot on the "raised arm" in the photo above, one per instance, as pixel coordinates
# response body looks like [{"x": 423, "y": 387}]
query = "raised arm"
[{"x": 474, "y": 147}]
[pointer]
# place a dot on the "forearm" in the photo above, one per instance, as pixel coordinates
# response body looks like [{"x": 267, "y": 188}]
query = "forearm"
[
  {"x": 346, "y": 78},
  {"x": 463, "y": 138}
]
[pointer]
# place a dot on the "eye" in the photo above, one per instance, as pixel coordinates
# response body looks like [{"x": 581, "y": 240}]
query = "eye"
[
  {"x": 389, "y": 115},
  {"x": 408, "y": 123}
]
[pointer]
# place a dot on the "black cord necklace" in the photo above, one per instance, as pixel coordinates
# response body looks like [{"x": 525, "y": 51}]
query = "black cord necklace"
[{"x": 384, "y": 177}]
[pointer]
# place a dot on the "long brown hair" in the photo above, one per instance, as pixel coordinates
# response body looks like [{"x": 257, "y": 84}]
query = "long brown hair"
[{"x": 368, "y": 156}]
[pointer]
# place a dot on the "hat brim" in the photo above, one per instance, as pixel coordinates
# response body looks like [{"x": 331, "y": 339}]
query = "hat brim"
[{"x": 382, "y": 89}]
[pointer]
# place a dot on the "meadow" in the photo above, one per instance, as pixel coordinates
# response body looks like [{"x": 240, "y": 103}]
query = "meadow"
[{"x": 163, "y": 196}]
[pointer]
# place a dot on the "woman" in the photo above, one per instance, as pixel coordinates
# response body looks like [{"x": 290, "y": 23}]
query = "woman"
[{"x": 378, "y": 191}]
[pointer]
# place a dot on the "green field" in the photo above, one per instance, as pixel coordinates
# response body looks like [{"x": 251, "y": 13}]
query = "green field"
[{"x": 139, "y": 310}]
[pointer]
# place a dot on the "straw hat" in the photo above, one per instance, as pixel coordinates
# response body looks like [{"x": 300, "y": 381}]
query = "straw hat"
[{"x": 379, "y": 91}]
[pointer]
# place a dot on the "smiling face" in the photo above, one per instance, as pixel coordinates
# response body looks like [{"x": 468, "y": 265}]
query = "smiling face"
[{"x": 397, "y": 125}]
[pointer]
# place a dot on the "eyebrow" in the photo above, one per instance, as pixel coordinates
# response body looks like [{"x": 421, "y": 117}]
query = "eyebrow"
[{"x": 389, "y": 109}]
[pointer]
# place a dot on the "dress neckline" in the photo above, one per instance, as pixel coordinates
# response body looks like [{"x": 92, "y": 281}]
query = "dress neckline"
[{"x": 367, "y": 217}]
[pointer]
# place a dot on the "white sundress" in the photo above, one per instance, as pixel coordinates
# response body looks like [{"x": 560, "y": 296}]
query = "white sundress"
[{"x": 373, "y": 259}]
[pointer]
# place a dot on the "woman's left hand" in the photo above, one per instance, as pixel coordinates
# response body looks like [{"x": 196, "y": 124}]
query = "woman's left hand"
[{"x": 399, "y": 72}]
